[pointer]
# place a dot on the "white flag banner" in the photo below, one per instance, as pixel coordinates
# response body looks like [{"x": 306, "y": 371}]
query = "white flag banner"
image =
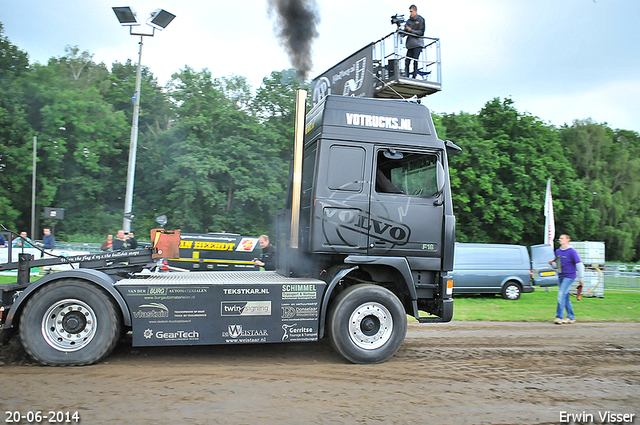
[{"x": 549, "y": 223}]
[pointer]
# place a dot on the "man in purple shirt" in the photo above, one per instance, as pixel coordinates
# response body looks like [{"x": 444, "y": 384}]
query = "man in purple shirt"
[{"x": 570, "y": 266}]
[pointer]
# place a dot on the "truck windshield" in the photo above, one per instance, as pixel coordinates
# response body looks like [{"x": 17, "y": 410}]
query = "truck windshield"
[{"x": 407, "y": 173}]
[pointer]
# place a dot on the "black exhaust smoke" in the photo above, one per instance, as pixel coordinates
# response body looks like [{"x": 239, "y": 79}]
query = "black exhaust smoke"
[{"x": 296, "y": 27}]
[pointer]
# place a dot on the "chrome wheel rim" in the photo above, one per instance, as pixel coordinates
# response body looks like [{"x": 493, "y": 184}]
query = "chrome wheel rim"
[
  {"x": 69, "y": 325},
  {"x": 370, "y": 326}
]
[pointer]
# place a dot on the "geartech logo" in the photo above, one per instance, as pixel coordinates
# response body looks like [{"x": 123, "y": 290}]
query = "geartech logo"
[{"x": 173, "y": 336}]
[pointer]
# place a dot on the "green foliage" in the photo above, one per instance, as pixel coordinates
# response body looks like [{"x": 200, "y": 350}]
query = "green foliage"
[
  {"x": 499, "y": 180},
  {"x": 14, "y": 134},
  {"x": 82, "y": 139},
  {"x": 608, "y": 161}
]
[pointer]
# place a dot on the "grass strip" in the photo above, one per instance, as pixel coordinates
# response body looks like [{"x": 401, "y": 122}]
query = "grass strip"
[{"x": 540, "y": 306}]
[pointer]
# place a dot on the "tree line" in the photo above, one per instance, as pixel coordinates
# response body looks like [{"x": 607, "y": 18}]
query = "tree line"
[{"x": 214, "y": 154}]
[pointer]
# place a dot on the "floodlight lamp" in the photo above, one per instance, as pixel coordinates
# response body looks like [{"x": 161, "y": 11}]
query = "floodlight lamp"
[
  {"x": 126, "y": 16},
  {"x": 160, "y": 18}
]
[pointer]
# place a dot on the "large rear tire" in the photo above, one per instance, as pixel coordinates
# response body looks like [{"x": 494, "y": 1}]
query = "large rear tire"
[
  {"x": 367, "y": 324},
  {"x": 69, "y": 323}
]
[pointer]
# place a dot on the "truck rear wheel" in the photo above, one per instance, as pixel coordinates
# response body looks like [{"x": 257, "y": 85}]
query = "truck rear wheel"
[
  {"x": 69, "y": 323},
  {"x": 367, "y": 324}
]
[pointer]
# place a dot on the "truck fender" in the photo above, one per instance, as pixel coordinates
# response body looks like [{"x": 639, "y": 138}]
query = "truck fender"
[
  {"x": 327, "y": 294},
  {"x": 399, "y": 263},
  {"x": 94, "y": 276}
]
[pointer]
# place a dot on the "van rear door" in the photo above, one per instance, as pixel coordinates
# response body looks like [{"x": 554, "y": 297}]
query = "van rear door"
[{"x": 543, "y": 274}]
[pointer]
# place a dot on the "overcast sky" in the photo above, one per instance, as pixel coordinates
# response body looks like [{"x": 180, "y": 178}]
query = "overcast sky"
[{"x": 557, "y": 59}]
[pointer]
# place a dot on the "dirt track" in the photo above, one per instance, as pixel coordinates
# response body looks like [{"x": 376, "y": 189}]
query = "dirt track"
[{"x": 456, "y": 373}]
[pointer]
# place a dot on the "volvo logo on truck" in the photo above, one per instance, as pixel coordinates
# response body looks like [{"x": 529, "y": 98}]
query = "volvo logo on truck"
[{"x": 344, "y": 219}]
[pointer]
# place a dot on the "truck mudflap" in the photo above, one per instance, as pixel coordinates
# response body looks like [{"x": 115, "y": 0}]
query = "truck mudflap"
[
  {"x": 5, "y": 333},
  {"x": 445, "y": 312},
  {"x": 222, "y": 308}
]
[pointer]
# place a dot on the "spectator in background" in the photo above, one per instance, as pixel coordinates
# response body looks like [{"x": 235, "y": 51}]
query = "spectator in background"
[
  {"x": 48, "y": 240},
  {"x": 23, "y": 241},
  {"x": 3, "y": 242},
  {"x": 268, "y": 257},
  {"x": 569, "y": 267},
  {"x": 108, "y": 244},
  {"x": 124, "y": 241}
]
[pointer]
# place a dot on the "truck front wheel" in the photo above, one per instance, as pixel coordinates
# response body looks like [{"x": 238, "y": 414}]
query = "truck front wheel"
[
  {"x": 69, "y": 323},
  {"x": 367, "y": 324}
]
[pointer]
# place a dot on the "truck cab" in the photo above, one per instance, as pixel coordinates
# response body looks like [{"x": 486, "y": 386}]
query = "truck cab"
[{"x": 375, "y": 194}]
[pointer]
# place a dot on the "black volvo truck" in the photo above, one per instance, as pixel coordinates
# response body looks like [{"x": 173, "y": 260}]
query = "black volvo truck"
[{"x": 367, "y": 239}]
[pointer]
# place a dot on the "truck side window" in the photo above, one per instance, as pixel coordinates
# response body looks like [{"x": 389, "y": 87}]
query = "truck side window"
[
  {"x": 407, "y": 173},
  {"x": 347, "y": 168}
]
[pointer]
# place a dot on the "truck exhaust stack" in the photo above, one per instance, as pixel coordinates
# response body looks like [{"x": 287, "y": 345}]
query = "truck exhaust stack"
[{"x": 301, "y": 96}]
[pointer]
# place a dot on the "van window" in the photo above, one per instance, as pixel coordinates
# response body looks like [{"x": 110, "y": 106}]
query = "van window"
[
  {"x": 485, "y": 255},
  {"x": 347, "y": 168},
  {"x": 406, "y": 173}
]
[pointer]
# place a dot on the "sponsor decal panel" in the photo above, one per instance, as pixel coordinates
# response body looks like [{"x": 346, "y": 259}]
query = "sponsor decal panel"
[
  {"x": 190, "y": 313},
  {"x": 170, "y": 315},
  {"x": 245, "y": 308},
  {"x": 151, "y": 311},
  {"x": 174, "y": 314},
  {"x": 305, "y": 311},
  {"x": 247, "y": 244},
  {"x": 297, "y": 332},
  {"x": 377, "y": 121},
  {"x": 179, "y": 335},
  {"x": 236, "y": 333},
  {"x": 245, "y": 291},
  {"x": 299, "y": 291},
  {"x": 159, "y": 313},
  {"x": 164, "y": 293}
]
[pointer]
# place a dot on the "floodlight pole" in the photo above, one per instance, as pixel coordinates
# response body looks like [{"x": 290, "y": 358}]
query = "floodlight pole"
[
  {"x": 160, "y": 18},
  {"x": 133, "y": 147}
]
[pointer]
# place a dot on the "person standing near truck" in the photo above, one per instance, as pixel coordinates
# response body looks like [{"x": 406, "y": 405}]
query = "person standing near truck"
[
  {"x": 124, "y": 241},
  {"x": 569, "y": 267},
  {"x": 108, "y": 244},
  {"x": 23, "y": 241},
  {"x": 48, "y": 240},
  {"x": 268, "y": 257}
]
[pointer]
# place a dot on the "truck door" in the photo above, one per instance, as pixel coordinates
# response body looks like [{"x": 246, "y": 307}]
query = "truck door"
[
  {"x": 406, "y": 203},
  {"x": 342, "y": 201}
]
